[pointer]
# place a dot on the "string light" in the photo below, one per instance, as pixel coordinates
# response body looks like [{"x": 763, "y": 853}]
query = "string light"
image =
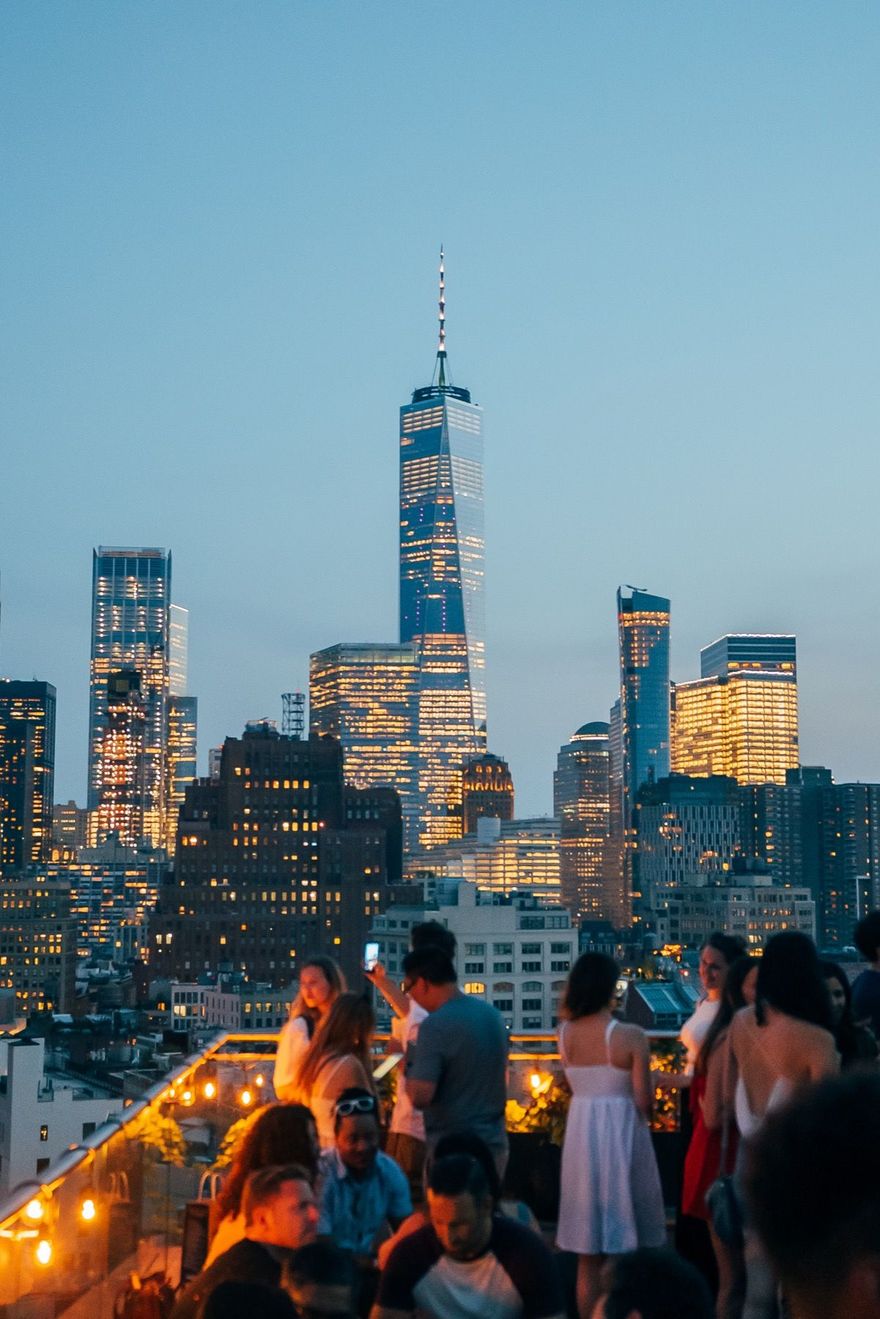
[
  {"x": 246, "y": 1098},
  {"x": 210, "y": 1090},
  {"x": 44, "y": 1251},
  {"x": 88, "y": 1210},
  {"x": 34, "y": 1210}
]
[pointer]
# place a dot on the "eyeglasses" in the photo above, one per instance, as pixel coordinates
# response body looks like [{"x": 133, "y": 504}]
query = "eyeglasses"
[{"x": 363, "y": 1104}]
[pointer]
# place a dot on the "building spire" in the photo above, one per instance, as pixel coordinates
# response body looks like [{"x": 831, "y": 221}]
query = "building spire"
[{"x": 441, "y": 345}]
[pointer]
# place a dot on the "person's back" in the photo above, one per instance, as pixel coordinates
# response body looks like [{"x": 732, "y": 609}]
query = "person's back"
[
  {"x": 465, "y": 1044},
  {"x": 457, "y": 1072},
  {"x": 775, "y": 1059}
]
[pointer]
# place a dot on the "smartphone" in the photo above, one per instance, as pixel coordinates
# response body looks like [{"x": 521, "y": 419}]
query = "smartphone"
[
  {"x": 387, "y": 1065},
  {"x": 371, "y": 954}
]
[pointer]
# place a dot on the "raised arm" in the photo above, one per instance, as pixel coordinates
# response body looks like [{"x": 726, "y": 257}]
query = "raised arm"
[{"x": 391, "y": 992}]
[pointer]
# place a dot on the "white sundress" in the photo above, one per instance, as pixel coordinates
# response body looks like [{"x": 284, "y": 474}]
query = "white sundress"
[{"x": 610, "y": 1197}]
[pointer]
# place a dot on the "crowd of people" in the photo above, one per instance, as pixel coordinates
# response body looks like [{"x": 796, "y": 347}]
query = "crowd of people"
[{"x": 325, "y": 1212}]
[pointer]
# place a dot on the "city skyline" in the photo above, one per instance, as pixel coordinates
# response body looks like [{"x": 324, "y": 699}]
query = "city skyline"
[{"x": 216, "y": 298}]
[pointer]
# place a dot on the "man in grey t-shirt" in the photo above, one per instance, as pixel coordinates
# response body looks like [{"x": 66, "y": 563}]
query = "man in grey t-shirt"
[{"x": 457, "y": 1071}]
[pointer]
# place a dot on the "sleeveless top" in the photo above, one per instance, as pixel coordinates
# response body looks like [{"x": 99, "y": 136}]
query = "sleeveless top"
[{"x": 596, "y": 1080}]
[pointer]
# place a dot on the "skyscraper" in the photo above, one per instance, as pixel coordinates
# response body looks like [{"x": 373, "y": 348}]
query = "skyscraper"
[
  {"x": 366, "y": 696},
  {"x": 486, "y": 791},
  {"x": 27, "y": 773},
  {"x": 276, "y": 859},
  {"x": 442, "y": 583},
  {"x": 643, "y": 638},
  {"x": 740, "y": 717},
  {"x": 589, "y": 876},
  {"x": 131, "y": 595}
]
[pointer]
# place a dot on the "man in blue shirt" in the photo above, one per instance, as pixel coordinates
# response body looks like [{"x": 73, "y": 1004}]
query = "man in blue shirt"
[{"x": 362, "y": 1190}]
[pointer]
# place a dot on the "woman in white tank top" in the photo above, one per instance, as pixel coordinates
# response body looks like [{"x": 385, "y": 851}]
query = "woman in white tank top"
[{"x": 610, "y": 1197}]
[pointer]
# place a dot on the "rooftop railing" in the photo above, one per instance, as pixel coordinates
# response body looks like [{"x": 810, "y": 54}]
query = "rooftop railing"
[{"x": 116, "y": 1205}]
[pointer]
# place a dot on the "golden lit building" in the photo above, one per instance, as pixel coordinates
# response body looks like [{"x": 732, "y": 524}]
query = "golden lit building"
[
  {"x": 740, "y": 718},
  {"x": 366, "y": 696},
  {"x": 37, "y": 944}
]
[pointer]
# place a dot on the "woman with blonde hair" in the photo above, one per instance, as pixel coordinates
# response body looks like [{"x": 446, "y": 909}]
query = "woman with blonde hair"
[
  {"x": 320, "y": 983},
  {"x": 337, "y": 1058}
]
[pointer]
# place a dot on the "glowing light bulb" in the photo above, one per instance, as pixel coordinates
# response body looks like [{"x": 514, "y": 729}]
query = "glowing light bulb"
[
  {"x": 246, "y": 1098},
  {"x": 258, "y": 1079},
  {"x": 187, "y": 1097},
  {"x": 88, "y": 1209},
  {"x": 210, "y": 1090},
  {"x": 34, "y": 1210},
  {"x": 44, "y": 1251},
  {"x": 535, "y": 1080}
]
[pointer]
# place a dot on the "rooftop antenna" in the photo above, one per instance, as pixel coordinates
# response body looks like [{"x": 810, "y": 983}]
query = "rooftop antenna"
[
  {"x": 441, "y": 342},
  {"x": 293, "y": 716}
]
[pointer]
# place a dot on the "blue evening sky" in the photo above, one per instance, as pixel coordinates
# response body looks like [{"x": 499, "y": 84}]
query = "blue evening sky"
[{"x": 219, "y": 232}]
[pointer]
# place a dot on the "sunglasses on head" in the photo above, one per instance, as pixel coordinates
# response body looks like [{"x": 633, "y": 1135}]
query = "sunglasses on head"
[{"x": 363, "y": 1104}]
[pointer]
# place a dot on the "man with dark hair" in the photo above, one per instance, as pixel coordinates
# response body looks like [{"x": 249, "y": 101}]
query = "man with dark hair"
[
  {"x": 813, "y": 1186},
  {"x": 362, "y": 1190},
  {"x": 653, "y": 1284},
  {"x": 320, "y": 1279},
  {"x": 429, "y": 934},
  {"x": 468, "y": 1261},
  {"x": 457, "y": 1072},
  {"x": 866, "y": 988},
  {"x": 280, "y": 1214},
  {"x": 406, "y": 1135}
]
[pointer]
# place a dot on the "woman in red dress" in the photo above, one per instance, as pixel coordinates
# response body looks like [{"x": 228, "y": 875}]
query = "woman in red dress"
[{"x": 703, "y": 1159}]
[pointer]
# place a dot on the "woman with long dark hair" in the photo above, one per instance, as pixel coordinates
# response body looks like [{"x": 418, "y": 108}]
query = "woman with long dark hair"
[
  {"x": 855, "y": 1043},
  {"x": 781, "y": 1044},
  {"x": 279, "y": 1133},
  {"x": 320, "y": 983},
  {"x": 704, "y": 1155},
  {"x": 610, "y": 1199},
  {"x": 337, "y": 1059}
]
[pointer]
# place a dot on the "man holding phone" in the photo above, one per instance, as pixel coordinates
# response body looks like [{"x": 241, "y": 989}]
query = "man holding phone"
[{"x": 406, "y": 1133}]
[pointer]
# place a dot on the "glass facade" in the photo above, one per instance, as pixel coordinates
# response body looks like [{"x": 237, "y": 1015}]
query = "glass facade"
[
  {"x": 366, "y": 696},
  {"x": 183, "y": 729},
  {"x": 131, "y": 591},
  {"x": 27, "y": 773},
  {"x": 589, "y": 878},
  {"x": 643, "y": 639},
  {"x": 442, "y": 571},
  {"x": 741, "y": 717}
]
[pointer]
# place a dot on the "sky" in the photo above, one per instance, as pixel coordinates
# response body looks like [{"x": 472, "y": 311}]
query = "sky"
[{"x": 219, "y": 229}]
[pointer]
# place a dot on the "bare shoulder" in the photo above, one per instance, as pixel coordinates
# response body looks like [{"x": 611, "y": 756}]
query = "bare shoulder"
[{"x": 633, "y": 1037}]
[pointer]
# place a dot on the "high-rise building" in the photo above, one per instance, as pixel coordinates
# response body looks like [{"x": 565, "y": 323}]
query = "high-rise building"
[
  {"x": 183, "y": 728},
  {"x": 276, "y": 859},
  {"x": 643, "y": 641},
  {"x": 113, "y": 894},
  {"x": 37, "y": 944},
  {"x": 850, "y": 859},
  {"x": 588, "y": 869},
  {"x": 686, "y": 827},
  {"x": 503, "y": 856},
  {"x": 131, "y": 596},
  {"x": 486, "y": 791},
  {"x": 740, "y": 718},
  {"x": 750, "y": 905},
  {"x": 27, "y": 773},
  {"x": 442, "y": 584},
  {"x": 70, "y": 826},
  {"x": 366, "y": 696},
  {"x": 178, "y": 650}
]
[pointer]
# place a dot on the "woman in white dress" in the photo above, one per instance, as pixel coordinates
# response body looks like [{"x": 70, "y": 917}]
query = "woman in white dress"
[
  {"x": 320, "y": 984},
  {"x": 610, "y": 1199}
]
